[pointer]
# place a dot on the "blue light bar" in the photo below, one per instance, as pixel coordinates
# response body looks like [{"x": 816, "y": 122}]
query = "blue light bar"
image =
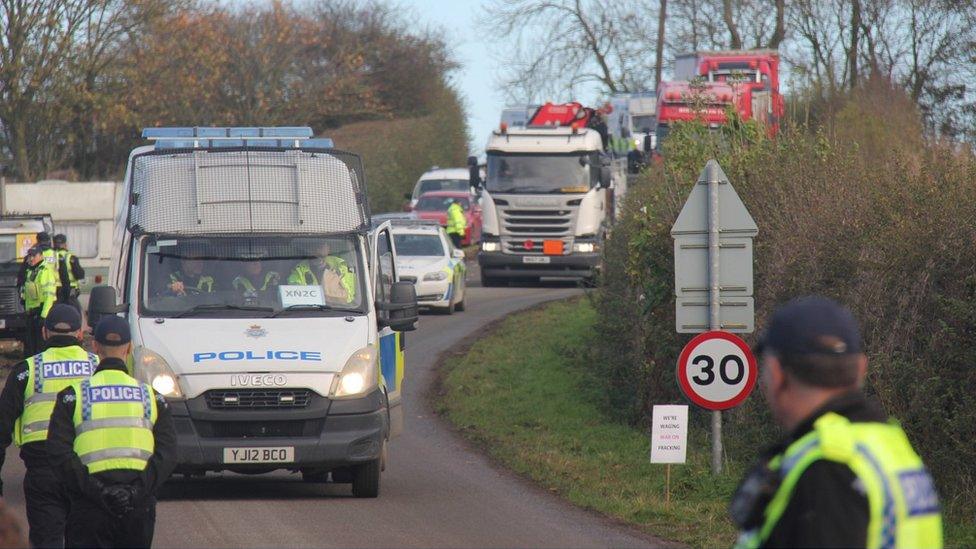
[
  {"x": 295, "y": 132},
  {"x": 286, "y": 137}
]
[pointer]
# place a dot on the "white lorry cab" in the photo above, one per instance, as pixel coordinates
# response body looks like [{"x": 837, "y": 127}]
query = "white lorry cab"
[
  {"x": 262, "y": 304},
  {"x": 548, "y": 200}
]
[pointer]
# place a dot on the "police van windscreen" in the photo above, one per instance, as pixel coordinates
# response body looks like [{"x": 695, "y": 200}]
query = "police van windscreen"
[
  {"x": 251, "y": 276},
  {"x": 430, "y": 185},
  {"x": 414, "y": 245},
  {"x": 537, "y": 173}
]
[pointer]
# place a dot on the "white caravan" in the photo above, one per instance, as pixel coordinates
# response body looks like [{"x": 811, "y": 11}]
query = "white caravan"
[{"x": 299, "y": 368}]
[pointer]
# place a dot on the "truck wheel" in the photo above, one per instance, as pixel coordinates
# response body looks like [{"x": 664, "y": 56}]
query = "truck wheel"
[{"x": 366, "y": 480}]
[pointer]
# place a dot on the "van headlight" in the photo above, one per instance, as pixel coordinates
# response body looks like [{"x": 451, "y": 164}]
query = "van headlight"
[
  {"x": 437, "y": 275},
  {"x": 359, "y": 377},
  {"x": 153, "y": 369}
]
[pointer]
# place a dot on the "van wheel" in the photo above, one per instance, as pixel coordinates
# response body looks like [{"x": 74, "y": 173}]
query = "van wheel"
[
  {"x": 459, "y": 306},
  {"x": 366, "y": 479}
]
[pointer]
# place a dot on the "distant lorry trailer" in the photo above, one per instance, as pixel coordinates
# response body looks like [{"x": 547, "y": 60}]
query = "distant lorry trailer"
[{"x": 753, "y": 74}]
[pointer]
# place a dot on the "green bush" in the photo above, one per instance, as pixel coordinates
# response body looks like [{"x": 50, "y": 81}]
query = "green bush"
[{"x": 863, "y": 209}]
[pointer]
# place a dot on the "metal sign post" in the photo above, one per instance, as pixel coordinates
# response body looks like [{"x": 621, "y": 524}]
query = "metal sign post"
[
  {"x": 714, "y": 303},
  {"x": 713, "y": 236}
]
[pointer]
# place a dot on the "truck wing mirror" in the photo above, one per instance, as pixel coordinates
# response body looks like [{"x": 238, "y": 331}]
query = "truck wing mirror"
[
  {"x": 605, "y": 177},
  {"x": 474, "y": 177},
  {"x": 400, "y": 312},
  {"x": 103, "y": 302},
  {"x": 473, "y": 161},
  {"x": 647, "y": 143}
]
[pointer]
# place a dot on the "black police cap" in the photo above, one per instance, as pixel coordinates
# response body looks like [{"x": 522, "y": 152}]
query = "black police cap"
[
  {"x": 43, "y": 237},
  {"x": 811, "y": 325},
  {"x": 63, "y": 319},
  {"x": 113, "y": 331},
  {"x": 60, "y": 238}
]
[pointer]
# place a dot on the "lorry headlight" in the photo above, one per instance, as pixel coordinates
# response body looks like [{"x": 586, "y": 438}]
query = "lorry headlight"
[
  {"x": 359, "y": 376},
  {"x": 490, "y": 246},
  {"x": 154, "y": 370},
  {"x": 584, "y": 247},
  {"x": 439, "y": 275}
]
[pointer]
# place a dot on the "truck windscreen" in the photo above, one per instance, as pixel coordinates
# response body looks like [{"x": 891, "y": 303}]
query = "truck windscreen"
[
  {"x": 251, "y": 276},
  {"x": 537, "y": 173}
]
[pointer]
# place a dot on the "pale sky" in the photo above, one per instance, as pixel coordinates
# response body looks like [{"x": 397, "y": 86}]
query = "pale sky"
[{"x": 476, "y": 78}]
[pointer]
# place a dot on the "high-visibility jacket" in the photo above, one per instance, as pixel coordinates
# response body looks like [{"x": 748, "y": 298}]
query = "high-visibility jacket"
[
  {"x": 47, "y": 374},
  {"x": 903, "y": 505},
  {"x": 303, "y": 274},
  {"x": 456, "y": 222},
  {"x": 204, "y": 283},
  {"x": 65, "y": 258},
  {"x": 242, "y": 283},
  {"x": 114, "y": 418},
  {"x": 52, "y": 260},
  {"x": 40, "y": 289}
]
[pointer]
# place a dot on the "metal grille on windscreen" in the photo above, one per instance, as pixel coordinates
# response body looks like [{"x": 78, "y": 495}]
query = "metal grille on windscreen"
[{"x": 247, "y": 190}]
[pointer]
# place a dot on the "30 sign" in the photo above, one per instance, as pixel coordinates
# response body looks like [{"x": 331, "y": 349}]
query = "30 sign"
[{"x": 717, "y": 370}]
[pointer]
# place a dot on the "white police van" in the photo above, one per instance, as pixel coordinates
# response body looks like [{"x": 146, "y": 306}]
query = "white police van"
[{"x": 262, "y": 304}]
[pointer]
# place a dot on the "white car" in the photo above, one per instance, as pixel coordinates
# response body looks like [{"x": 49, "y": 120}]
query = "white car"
[
  {"x": 426, "y": 257},
  {"x": 440, "y": 179}
]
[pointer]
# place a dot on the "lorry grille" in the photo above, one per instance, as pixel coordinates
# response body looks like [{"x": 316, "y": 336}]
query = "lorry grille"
[
  {"x": 9, "y": 300},
  {"x": 537, "y": 222},
  {"x": 232, "y": 399}
]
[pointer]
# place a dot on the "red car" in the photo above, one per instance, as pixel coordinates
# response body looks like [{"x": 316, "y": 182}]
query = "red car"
[{"x": 433, "y": 205}]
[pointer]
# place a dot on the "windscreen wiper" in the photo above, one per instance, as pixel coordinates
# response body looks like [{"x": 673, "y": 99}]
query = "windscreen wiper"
[
  {"x": 222, "y": 307},
  {"x": 302, "y": 307}
]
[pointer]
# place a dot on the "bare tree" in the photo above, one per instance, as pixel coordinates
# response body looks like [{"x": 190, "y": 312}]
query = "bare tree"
[
  {"x": 662, "y": 19},
  {"x": 555, "y": 47}
]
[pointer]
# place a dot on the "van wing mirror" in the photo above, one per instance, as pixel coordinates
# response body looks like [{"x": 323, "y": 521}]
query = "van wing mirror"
[
  {"x": 103, "y": 302},
  {"x": 400, "y": 312}
]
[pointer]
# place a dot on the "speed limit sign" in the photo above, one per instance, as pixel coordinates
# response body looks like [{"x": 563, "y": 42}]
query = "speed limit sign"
[{"x": 717, "y": 370}]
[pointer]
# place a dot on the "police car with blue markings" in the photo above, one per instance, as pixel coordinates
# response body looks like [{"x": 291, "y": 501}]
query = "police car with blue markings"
[
  {"x": 263, "y": 304},
  {"x": 426, "y": 256}
]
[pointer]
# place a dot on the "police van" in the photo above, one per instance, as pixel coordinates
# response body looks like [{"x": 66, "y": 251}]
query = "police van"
[{"x": 262, "y": 303}]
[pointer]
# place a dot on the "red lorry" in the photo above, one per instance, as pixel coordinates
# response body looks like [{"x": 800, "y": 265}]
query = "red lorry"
[
  {"x": 681, "y": 101},
  {"x": 753, "y": 75}
]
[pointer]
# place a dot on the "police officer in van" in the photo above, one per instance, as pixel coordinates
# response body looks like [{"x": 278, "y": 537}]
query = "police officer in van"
[
  {"x": 844, "y": 476},
  {"x": 26, "y": 405},
  {"x": 113, "y": 444}
]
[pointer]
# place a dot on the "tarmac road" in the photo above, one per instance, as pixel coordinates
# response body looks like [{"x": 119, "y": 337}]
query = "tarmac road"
[{"x": 437, "y": 490}]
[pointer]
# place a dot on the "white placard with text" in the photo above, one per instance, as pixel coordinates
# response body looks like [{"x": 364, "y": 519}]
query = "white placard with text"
[{"x": 669, "y": 433}]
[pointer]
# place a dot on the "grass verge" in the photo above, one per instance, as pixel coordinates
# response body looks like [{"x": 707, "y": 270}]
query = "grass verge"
[
  {"x": 526, "y": 395},
  {"x": 544, "y": 422}
]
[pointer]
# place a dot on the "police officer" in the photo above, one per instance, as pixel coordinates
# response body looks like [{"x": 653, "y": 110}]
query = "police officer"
[
  {"x": 457, "y": 224},
  {"x": 112, "y": 443},
  {"x": 329, "y": 266},
  {"x": 844, "y": 476},
  {"x": 26, "y": 405},
  {"x": 73, "y": 271},
  {"x": 191, "y": 278},
  {"x": 254, "y": 279},
  {"x": 38, "y": 291}
]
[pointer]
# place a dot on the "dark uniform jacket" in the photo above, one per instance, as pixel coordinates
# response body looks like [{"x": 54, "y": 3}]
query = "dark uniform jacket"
[
  {"x": 828, "y": 507},
  {"x": 61, "y": 440}
]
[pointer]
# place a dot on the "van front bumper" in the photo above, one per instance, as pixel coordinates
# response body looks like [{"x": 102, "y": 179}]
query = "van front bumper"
[{"x": 325, "y": 434}]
